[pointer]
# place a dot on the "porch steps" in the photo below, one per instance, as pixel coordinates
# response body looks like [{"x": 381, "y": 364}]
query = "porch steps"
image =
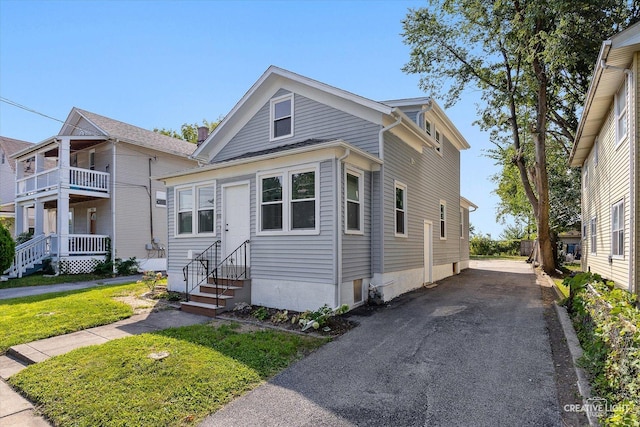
[{"x": 230, "y": 292}]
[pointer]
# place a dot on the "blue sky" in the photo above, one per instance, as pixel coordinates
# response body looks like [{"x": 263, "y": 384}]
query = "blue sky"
[{"x": 165, "y": 63}]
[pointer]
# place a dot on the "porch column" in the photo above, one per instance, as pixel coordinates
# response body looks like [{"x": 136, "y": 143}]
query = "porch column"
[
  {"x": 38, "y": 226},
  {"x": 62, "y": 226},
  {"x": 19, "y": 218},
  {"x": 39, "y": 167}
]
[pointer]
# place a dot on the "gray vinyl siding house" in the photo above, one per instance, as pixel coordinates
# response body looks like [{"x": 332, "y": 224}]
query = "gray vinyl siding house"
[
  {"x": 89, "y": 192},
  {"x": 339, "y": 196}
]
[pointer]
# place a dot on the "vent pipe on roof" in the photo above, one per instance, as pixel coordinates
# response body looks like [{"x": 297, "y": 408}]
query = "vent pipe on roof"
[{"x": 203, "y": 133}]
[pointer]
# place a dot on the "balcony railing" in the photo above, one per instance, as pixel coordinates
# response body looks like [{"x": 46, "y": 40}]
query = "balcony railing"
[
  {"x": 79, "y": 179},
  {"x": 85, "y": 244}
]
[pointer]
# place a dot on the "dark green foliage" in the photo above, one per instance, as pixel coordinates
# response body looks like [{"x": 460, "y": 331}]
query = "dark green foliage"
[
  {"x": 7, "y": 249},
  {"x": 23, "y": 237},
  {"x": 484, "y": 245}
]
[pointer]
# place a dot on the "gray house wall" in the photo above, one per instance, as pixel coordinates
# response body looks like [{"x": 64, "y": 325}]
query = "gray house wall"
[
  {"x": 356, "y": 248},
  {"x": 429, "y": 178},
  {"x": 311, "y": 120}
]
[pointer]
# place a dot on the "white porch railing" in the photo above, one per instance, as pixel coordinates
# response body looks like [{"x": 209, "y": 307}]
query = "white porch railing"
[
  {"x": 79, "y": 179},
  {"x": 87, "y": 179},
  {"x": 85, "y": 244},
  {"x": 29, "y": 253}
]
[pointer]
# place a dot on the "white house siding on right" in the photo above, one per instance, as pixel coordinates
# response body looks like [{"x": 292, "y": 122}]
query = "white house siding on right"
[{"x": 607, "y": 183}]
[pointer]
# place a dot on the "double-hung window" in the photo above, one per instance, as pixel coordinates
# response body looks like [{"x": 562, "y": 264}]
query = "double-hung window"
[
  {"x": 443, "y": 219},
  {"x": 401, "y": 209},
  {"x": 617, "y": 229},
  {"x": 438, "y": 141},
  {"x": 621, "y": 113},
  {"x": 353, "y": 201},
  {"x": 195, "y": 209},
  {"x": 593, "y": 234},
  {"x": 282, "y": 117},
  {"x": 288, "y": 201}
]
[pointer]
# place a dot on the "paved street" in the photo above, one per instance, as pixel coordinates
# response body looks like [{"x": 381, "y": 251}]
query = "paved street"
[{"x": 473, "y": 351}]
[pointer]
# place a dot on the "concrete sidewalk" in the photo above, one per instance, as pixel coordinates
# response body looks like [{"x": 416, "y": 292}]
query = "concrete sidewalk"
[
  {"x": 16, "y": 411},
  {"x": 60, "y": 287}
]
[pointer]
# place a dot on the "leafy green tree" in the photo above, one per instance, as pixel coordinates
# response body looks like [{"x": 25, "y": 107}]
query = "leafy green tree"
[
  {"x": 189, "y": 131},
  {"x": 531, "y": 60},
  {"x": 7, "y": 249}
]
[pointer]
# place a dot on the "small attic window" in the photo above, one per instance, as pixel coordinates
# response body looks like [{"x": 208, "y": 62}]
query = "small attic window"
[{"x": 282, "y": 117}]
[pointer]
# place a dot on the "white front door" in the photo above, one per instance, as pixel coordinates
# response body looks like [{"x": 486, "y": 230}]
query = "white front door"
[
  {"x": 428, "y": 250},
  {"x": 235, "y": 217}
]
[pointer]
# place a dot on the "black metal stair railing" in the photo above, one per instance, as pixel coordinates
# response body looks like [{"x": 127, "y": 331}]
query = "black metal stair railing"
[
  {"x": 233, "y": 267},
  {"x": 200, "y": 268}
]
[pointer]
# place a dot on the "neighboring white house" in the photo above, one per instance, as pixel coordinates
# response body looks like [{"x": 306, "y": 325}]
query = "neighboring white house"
[
  {"x": 90, "y": 189},
  {"x": 322, "y": 195},
  {"x": 8, "y": 146},
  {"x": 606, "y": 147}
]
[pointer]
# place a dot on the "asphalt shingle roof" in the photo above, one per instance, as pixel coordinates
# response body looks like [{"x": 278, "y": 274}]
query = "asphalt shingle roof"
[
  {"x": 300, "y": 144},
  {"x": 10, "y": 146},
  {"x": 133, "y": 134}
]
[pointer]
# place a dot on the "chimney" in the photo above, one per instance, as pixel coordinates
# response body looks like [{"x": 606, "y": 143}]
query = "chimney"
[{"x": 203, "y": 133}]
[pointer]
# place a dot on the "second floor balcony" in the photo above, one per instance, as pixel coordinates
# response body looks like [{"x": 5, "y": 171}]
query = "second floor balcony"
[{"x": 81, "y": 181}]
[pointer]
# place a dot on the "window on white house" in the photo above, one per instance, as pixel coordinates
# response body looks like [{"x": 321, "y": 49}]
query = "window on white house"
[
  {"x": 353, "y": 201},
  {"x": 438, "y": 141},
  {"x": 617, "y": 229},
  {"x": 303, "y": 201},
  {"x": 461, "y": 223},
  {"x": 92, "y": 159},
  {"x": 593, "y": 233},
  {"x": 443, "y": 219},
  {"x": 271, "y": 202},
  {"x": 161, "y": 199},
  {"x": 195, "y": 208},
  {"x": 288, "y": 201},
  {"x": 621, "y": 113},
  {"x": 585, "y": 175},
  {"x": 282, "y": 117},
  {"x": 401, "y": 209},
  {"x": 427, "y": 126}
]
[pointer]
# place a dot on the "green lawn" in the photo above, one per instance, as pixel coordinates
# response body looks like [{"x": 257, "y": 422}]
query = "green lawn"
[
  {"x": 117, "y": 383},
  {"x": 511, "y": 257},
  {"x": 27, "y": 319},
  {"x": 39, "y": 279}
]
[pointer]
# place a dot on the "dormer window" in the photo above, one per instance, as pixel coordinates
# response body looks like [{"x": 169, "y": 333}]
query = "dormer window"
[{"x": 282, "y": 117}]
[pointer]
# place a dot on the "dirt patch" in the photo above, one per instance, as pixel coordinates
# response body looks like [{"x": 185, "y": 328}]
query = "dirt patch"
[
  {"x": 565, "y": 375},
  {"x": 288, "y": 320}
]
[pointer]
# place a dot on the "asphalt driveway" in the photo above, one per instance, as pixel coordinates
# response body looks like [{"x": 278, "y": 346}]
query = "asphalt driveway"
[{"x": 472, "y": 351}]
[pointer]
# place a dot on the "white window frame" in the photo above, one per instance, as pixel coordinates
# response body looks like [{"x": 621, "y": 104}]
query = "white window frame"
[
  {"x": 621, "y": 113},
  {"x": 461, "y": 223},
  {"x": 593, "y": 235},
  {"x": 92, "y": 160},
  {"x": 585, "y": 175},
  {"x": 437, "y": 135},
  {"x": 398, "y": 185},
  {"x": 194, "y": 209},
  {"x": 287, "y": 200},
  {"x": 360, "y": 175},
  {"x": 272, "y": 118},
  {"x": 442, "y": 215},
  {"x": 617, "y": 210},
  {"x": 161, "y": 195},
  {"x": 428, "y": 127}
]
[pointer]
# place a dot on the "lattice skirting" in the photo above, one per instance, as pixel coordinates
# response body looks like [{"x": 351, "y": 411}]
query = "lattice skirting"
[{"x": 79, "y": 265}]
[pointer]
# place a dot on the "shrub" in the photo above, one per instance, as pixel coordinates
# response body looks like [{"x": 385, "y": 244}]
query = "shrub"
[
  {"x": 23, "y": 237},
  {"x": 7, "y": 249},
  {"x": 608, "y": 326}
]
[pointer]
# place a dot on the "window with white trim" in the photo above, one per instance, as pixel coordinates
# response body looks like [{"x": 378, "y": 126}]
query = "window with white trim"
[
  {"x": 593, "y": 234},
  {"x": 161, "y": 199},
  {"x": 438, "y": 141},
  {"x": 461, "y": 223},
  {"x": 195, "y": 209},
  {"x": 621, "y": 112},
  {"x": 354, "y": 183},
  {"x": 288, "y": 201},
  {"x": 92, "y": 159},
  {"x": 427, "y": 127},
  {"x": 443, "y": 219},
  {"x": 281, "y": 117},
  {"x": 617, "y": 229},
  {"x": 585, "y": 175},
  {"x": 401, "y": 209}
]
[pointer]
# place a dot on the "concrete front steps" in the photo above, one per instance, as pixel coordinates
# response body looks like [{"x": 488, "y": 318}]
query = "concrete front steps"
[{"x": 231, "y": 292}]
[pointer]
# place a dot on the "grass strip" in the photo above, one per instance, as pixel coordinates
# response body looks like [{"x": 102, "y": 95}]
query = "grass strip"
[
  {"x": 39, "y": 279},
  {"x": 35, "y": 317},
  {"x": 118, "y": 383}
]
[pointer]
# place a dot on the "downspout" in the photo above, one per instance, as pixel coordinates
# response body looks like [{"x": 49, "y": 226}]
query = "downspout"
[
  {"x": 381, "y": 189},
  {"x": 113, "y": 205},
  {"x": 339, "y": 223},
  {"x": 150, "y": 202},
  {"x": 629, "y": 75}
]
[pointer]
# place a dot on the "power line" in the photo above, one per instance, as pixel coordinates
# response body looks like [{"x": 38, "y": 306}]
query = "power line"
[{"x": 31, "y": 110}]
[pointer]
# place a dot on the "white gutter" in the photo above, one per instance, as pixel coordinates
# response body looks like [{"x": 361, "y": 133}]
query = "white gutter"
[
  {"x": 632, "y": 175},
  {"x": 113, "y": 205},
  {"x": 339, "y": 223}
]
